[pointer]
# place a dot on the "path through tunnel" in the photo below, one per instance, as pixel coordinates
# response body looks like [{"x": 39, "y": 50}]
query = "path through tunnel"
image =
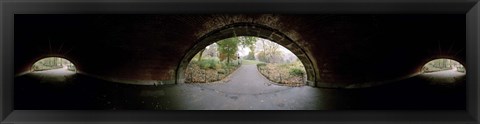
[
  {"x": 249, "y": 30},
  {"x": 217, "y": 62},
  {"x": 142, "y": 61}
]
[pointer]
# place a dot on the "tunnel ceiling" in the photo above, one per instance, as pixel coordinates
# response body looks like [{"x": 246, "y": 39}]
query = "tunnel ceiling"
[{"x": 344, "y": 49}]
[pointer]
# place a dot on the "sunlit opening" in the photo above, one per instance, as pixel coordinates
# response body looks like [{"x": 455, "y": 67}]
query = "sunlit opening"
[
  {"x": 446, "y": 66},
  {"x": 219, "y": 61},
  {"x": 54, "y": 65},
  {"x": 444, "y": 71}
]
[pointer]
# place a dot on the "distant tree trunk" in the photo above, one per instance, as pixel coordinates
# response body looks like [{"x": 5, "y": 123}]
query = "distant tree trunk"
[
  {"x": 265, "y": 49},
  {"x": 201, "y": 53},
  {"x": 228, "y": 60}
]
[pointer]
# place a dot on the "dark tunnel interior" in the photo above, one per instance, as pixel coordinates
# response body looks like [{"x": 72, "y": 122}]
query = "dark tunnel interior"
[{"x": 119, "y": 62}]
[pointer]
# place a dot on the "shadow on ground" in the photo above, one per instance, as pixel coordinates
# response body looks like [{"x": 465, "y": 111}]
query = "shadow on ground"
[{"x": 43, "y": 91}]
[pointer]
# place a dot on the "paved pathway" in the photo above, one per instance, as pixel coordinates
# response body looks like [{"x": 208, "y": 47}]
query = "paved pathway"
[
  {"x": 247, "y": 89},
  {"x": 59, "y": 75},
  {"x": 444, "y": 77},
  {"x": 246, "y": 80}
]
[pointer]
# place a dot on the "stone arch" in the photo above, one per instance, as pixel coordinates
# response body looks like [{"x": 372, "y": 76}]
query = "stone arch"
[{"x": 247, "y": 29}]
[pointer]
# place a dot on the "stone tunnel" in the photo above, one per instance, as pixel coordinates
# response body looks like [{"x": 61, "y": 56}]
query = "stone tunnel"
[{"x": 338, "y": 51}]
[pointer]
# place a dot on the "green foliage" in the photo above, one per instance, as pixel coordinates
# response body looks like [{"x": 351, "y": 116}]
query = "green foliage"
[
  {"x": 250, "y": 56},
  {"x": 209, "y": 64},
  {"x": 461, "y": 69},
  {"x": 228, "y": 48},
  {"x": 40, "y": 67},
  {"x": 261, "y": 64},
  {"x": 297, "y": 62},
  {"x": 250, "y": 62},
  {"x": 441, "y": 65},
  {"x": 200, "y": 54},
  {"x": 51, "y": 63},
  {"x": 226, "y": 66},
  {"x": 296, "y": 71},
  {"x": 71, "y": 67},
  {"x": 261, "y": 56},
  {"x": 208, "y": 69},
  {"x": 229, "y": 65},
  {"x": 221, "y": 71},
  {"x": 248, "y": 42}
]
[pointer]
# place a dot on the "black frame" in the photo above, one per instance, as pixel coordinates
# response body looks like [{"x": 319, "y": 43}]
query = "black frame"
[{"x": 471, "y": 9}]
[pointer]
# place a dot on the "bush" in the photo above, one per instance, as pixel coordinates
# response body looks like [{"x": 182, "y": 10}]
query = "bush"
[
  {"x": 221, "y": 71},
  {"x": 209, "y": 64},
  {"x": 261, "y": 64},
  {"x": 218, "y": 66},
  {"x": 296, "y": 72},
  {"x": 231, "y": 64}
]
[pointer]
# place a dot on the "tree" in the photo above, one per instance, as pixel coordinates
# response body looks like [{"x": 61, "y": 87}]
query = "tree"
[
  {"x": 250, "y": 43},
  {"x": 227, "y": 49},
  {"x": 201, "y": 53},
  {"x": 250, "y": 56},
  {"x": 211, "y": 50},
  {"x": 261, "y": 56},
  {"x": 271, "y": 52}
]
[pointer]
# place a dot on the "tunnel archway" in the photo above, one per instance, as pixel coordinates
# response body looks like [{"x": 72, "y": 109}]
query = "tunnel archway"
[
  {"x": 55, "y": 70},
  {"x": 443, "y": 64},
  {"x": 52, "y": 63},
  {"x": 247, "y": 29},
  {"x": 220, "y": 59},
  {"x": 443, "y": 71},
  {"x": 421, "y": 64}
]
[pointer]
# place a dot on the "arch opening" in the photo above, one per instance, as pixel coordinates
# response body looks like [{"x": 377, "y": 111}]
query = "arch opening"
[
  {"x": 54, "y": 66},
  {"x": 256, "y": 56},
  {"x": 444, "y": 71},
  {"x": 248, "y": 30}
]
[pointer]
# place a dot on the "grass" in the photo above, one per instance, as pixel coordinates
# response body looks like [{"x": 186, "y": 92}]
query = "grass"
[{"x": 250, "y": 62}]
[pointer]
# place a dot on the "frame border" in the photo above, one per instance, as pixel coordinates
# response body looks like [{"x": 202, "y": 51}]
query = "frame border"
[{"x": 8, "y": 8}]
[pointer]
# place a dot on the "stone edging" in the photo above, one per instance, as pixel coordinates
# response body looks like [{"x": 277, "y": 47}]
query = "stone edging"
[{"x": 275, "y": 83}]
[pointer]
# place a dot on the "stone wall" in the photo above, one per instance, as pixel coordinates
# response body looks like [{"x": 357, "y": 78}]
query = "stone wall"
[{"x": 342, "y": 49}]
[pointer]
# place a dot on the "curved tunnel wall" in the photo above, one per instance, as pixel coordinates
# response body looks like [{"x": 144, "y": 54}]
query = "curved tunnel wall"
[
  {"x": 343, "y": 49},
  {"x": 248, "y": 29}
]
